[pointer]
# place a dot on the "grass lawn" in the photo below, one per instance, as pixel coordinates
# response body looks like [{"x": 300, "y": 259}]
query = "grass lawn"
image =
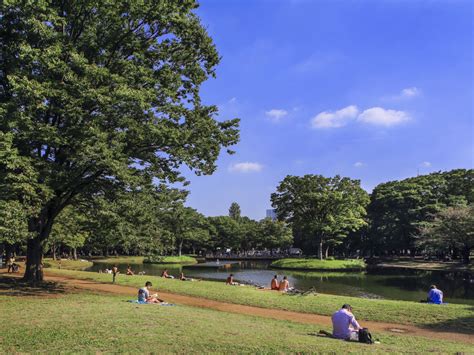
[
  {"x": 83, "y": 322},
  {"x": 455, "y": 317},
  {"x": 184, "y": 259},
  {"x": 121, "y": 260},
  {"x": 316, "y": 264},
  {"x": 67, "y": 264}
]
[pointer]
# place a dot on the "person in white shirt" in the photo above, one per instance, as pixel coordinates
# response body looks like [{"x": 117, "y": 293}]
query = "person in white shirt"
[{"x": 344, "y": 324}]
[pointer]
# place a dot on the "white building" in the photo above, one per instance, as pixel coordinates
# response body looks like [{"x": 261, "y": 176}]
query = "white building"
[{"x": 271, "y": 214}]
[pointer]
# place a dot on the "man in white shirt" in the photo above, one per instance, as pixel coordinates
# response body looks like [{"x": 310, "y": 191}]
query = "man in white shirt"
[{"x": 344, "y": 324}]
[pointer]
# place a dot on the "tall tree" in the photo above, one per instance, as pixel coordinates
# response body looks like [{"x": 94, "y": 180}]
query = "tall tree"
[
  {"x": 274, "y": 234},
  {"x": 451, "y": 230},
  {"x": 320, "y": 210},
  {"x": 398, "y": 209},
  {"x": 103, "y": 94},
  {"x": 234, "y": 211}
]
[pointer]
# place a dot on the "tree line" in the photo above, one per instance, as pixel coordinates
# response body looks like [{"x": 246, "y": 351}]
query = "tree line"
[
  {"x": 100, "y": 108},
  {"x": 429, "y": 214}
]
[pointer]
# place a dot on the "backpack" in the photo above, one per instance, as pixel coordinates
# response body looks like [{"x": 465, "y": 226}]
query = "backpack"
[{"x": 365, "y": 336}]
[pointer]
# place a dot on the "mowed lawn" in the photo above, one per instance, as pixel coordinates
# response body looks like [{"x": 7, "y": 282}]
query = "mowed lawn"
[
  {"x": 85, "y": 322},
  {"x": 453, "y": 317}
]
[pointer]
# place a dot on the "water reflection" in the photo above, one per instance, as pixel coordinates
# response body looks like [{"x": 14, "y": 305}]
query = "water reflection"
[{"x": 399, "y": 284}]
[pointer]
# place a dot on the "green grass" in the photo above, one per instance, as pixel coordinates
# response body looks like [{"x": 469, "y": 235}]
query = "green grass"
[
  {"x": 184, "y": 259},
  {"x": 316, "y": 264},
  {"x": 67, "y": 264},
  {"x": 95, "y": 323},
  {"x": 121, "y": 260},
  {"x": 455, "y": 317}
]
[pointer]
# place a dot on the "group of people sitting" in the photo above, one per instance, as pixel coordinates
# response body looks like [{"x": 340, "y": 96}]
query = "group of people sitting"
[
  {"x": 282, "y": 285},
  {"x": 12, "y": 265}
]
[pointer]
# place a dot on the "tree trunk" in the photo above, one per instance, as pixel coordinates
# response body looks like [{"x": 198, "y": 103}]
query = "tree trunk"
[
  {"x": 34, "y": 260},
  {"x": 466, "y": 254},
  {"x": 180, "y": 246},
  {"x": 320, "y": 249},
  {"x": 54, "y": 251},
  {"x": 327, "y": 251},
  {"x": 74, "y": 253},
  {"x": 40, "y": 227}
]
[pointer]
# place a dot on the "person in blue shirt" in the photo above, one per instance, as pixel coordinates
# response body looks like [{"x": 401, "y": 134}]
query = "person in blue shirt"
[
  {"x": 434, "y": 295},
  {"x": 145, "y": 297}
]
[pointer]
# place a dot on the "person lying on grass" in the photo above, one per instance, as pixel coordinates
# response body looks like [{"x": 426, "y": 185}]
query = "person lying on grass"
[
  {"x": 166, "y": 275},
  {"x": 274, "y": 284},
  {"x": 145, "y": 297}
]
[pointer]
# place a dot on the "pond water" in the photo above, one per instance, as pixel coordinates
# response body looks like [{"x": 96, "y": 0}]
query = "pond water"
[{"x": 396, "y": 284}]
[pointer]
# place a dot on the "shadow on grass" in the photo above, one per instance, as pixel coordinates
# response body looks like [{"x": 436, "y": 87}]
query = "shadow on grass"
[
  {"x": 12, "y": 286},
  {"x": 463, "y": 325}
]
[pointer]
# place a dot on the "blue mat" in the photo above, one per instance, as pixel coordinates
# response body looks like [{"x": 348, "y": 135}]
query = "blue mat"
[{"x": 143, "y": 302}]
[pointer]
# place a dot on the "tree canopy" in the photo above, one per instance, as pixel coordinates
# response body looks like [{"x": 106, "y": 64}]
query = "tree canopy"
[
  {"x": 98, "y": 95},
  {"x": 322, "y": 211}
]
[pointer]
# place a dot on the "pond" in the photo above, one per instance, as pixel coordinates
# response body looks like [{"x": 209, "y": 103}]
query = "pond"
[{"x": 396, "y": 284}]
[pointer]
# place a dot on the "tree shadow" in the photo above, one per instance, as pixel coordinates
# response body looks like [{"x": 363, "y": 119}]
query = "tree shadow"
[
  {"x": 464, "y": 325},
  {"x": 13, "y": 286}
]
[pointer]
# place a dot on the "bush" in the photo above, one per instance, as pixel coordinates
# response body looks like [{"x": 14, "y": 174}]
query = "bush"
[
  {"x": 161, "y": 259},
  {"x": 316, "y": 264}
]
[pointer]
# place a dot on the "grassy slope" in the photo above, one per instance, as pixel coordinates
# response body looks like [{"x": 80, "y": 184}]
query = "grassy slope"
[
  {"x": 451, "y": 317},
  {"x": 67, "y": 264},
  {"x": 184, "y": 259},
  {"x": 121, "y": 260},
  {"x": 316, "y": 264},
  {"x": 100, "y": 323}
]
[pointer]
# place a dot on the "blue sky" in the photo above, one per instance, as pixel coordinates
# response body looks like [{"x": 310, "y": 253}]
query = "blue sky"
[{"x": 374, "y": 90}]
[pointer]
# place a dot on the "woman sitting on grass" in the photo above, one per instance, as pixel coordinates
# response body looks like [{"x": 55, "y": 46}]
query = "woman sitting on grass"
[{"x": 145, "y": 297}]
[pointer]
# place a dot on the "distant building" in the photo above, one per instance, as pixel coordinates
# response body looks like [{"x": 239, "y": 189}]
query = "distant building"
[{"x": 272, "y": 214}]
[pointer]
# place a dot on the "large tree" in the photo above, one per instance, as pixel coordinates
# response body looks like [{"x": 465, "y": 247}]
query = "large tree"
[
  {"x": 234, "y": 211},
  {"x": 451, "y": 230},
  {"x": 102, "y": 94},
  {"x": 398, "y": 209},
  {"x": 321, "y": 210}
]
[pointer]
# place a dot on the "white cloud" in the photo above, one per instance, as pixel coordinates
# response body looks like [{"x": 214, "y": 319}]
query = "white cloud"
[
  {"x": 410, "y": 92},
  {"x": 359, "y": 164},
  {"x": 426, "y": 164},
  {"x": 276, "y": 114},
  {"x": 246, "y": 167},
  {"x": 340, "y": 118},
  {"x": 382, "y": 117}
]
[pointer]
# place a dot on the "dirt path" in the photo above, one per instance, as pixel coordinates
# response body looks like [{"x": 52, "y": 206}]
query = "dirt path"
[{"x": 262, "y": 312}]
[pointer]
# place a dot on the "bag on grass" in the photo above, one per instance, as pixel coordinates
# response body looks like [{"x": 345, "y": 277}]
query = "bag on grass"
[{"x": 365, "y": 336}]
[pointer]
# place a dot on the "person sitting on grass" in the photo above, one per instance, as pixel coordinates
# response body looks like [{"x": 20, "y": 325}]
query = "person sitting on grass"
[
  {"x": 145, "y": 297},
  {"x": 274, "y": 284},
  {"x": 344, "y": 324},
  {"x": 166, "y": 275},
  {"x": 130, "y": 271},
  {"x": 230, "y": 280},
  {"x": 284, "y": 284},
  {"x": 435, "y": 295}
]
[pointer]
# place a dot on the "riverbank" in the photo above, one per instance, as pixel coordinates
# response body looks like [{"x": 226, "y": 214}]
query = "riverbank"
[
  {"x": 103, "y": 321},
  {"x": 319, "y": 265},
  {"x": 424, "y": 265},
  {"x": 453, "y": 317}
]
